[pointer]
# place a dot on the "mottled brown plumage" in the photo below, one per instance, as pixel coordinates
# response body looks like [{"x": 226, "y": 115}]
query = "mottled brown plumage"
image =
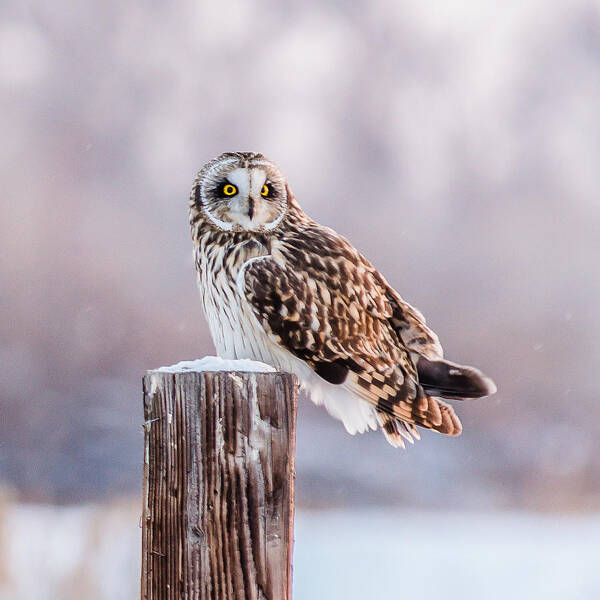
[{"x": 286, "y": 290}]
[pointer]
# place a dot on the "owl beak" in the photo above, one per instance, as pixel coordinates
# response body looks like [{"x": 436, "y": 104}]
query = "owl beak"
[{"x": 250, "y": 207}]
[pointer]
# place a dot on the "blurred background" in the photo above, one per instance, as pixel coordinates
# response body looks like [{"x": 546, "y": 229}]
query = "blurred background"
[{"x": 457, "y": 145}]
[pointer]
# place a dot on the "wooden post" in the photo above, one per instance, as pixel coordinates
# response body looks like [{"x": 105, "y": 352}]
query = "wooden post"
[{"x": 218, "y": 485}]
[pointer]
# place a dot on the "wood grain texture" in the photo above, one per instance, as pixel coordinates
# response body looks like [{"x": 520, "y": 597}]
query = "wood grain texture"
[{"x": 218, "y": 485}]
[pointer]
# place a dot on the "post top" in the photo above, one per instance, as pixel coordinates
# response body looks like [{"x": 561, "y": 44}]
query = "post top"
[{"x": 215, "y": 363}]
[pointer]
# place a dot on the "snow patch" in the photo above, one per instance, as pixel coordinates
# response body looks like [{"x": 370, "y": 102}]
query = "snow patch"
[{"x": 216, "y": 363}]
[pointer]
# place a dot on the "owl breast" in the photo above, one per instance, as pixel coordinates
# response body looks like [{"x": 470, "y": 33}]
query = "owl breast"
[{"x": 233, "y": 328}]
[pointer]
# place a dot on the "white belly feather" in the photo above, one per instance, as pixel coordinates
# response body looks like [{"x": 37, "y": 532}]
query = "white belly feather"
[{"x": 237, "y": 334}]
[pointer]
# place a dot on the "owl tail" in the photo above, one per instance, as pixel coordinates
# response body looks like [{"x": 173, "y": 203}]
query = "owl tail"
[
  {"x": 448, "y": 380},
  {"x": 428, "y": 412}
]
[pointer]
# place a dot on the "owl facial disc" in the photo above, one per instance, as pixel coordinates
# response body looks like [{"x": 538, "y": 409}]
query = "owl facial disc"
[{"x": 237, "y": 193}]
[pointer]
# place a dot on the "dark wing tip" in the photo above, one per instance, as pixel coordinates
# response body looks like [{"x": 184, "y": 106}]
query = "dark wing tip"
[{"x": 449, "y": 380}]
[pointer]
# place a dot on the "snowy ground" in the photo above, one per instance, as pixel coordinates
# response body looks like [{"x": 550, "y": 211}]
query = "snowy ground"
[
  {"x": 50, "y": 553},
  {"x": 431, "y": 555}
]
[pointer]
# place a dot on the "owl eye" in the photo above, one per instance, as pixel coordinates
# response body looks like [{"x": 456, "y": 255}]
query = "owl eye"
[
  {"x": 265, "y": 190},
  {"x": 229, "y": 189}
]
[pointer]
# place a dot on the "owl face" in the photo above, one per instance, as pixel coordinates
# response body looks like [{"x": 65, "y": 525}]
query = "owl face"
[{"x": 240, "y": 192}]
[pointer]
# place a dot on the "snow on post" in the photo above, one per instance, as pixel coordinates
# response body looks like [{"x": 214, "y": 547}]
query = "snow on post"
[{"x": 218, "y": 481}]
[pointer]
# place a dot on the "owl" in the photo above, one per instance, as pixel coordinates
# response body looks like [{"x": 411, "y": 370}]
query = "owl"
[{"x": 280, "y": 288}]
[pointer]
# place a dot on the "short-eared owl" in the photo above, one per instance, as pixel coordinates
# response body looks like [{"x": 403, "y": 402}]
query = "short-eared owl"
[{"x": 279, "y": 288}]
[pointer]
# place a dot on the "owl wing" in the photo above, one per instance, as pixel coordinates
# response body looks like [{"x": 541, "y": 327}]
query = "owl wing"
[
  {"x": 318, "y": 298},
  {"x": 410, "y": 325}
]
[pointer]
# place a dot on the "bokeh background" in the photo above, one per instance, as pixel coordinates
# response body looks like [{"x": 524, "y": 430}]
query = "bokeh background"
[{"x": 457, "y": 144}]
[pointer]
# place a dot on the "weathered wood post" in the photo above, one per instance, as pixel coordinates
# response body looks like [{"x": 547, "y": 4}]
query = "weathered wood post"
[{"x": 218, "y": 485}]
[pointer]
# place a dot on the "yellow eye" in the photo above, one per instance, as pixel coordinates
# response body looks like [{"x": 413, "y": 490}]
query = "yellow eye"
[
  {"x": 265, "y": 190},
  {"x": 229, "y": 189}
]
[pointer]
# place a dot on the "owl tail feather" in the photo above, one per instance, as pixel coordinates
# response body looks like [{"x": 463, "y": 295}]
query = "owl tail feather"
[
  {"x": 428, "y": 412},
  {"x": 397, "y": 431},
  {"x": 449, "y": 380}
]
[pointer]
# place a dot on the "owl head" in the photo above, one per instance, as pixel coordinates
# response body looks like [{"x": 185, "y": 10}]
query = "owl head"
[{"x": 240, "y": 191}]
